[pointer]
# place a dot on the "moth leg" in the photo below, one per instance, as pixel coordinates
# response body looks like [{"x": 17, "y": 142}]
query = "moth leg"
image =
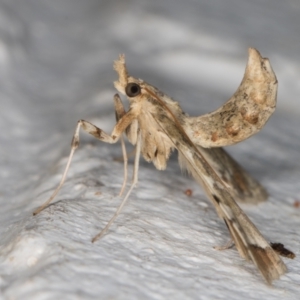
[
  {"x": 120, "y": 112},
  {"x": 119, "y": 107},
  {"x": 228, "y": 245},
  {"x": 130, "y": 131},
  {"x": 98, "y": 134},
  {"x": 130, "y": 154},
  {"x": 134, "y": 182}
]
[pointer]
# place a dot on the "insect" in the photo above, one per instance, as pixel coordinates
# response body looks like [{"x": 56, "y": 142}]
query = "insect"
[{"x": 156, "y": 125}]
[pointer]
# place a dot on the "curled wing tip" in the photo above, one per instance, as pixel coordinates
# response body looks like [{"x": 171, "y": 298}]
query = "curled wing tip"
[
  {"x": 246, "y": 112},
  {"x": 260, "y": 66},
  {"x": 263, "y": 80},
  {"x": 252, "y": 52}
]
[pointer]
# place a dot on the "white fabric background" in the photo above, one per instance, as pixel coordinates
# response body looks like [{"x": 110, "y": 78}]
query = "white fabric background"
[{"x": 56, "y": 67}]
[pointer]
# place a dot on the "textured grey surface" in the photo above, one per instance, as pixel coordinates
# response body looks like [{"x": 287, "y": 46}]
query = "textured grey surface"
[{"x": 56, "y": 67}]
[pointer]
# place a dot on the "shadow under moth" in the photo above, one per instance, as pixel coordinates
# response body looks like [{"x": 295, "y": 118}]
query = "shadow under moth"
[{"x": 156, "y": 125}]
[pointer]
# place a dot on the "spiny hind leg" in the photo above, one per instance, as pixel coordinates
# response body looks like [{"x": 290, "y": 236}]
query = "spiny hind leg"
[{"x": 98, "y": 134}]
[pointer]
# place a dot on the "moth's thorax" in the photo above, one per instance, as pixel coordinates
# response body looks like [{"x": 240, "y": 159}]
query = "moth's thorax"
[{"x": 156, "y": 146}]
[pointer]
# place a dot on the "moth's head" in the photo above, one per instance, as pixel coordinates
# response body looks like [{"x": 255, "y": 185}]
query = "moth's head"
[{"x": 127, "y": 85}]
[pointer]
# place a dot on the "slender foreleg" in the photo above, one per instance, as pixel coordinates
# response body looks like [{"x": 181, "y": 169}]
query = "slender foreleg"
[{"x": 99, "y": 134}]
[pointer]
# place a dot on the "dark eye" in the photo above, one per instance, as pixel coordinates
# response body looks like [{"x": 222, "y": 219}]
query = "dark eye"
[{"x": 132, "y": 89}]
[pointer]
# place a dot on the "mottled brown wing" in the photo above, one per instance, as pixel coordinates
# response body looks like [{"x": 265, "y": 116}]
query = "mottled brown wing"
[
  {"x": 244, "y": 114},
  {"x": 243, "y": 187},
  {"x": 249, "y": 241}
]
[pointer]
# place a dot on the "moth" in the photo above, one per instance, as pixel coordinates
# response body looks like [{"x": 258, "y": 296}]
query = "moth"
[{"x": 156, "y": 125}]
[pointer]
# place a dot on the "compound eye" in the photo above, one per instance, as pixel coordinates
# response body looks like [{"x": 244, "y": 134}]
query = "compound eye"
[{"x": 132, "y": 89}]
